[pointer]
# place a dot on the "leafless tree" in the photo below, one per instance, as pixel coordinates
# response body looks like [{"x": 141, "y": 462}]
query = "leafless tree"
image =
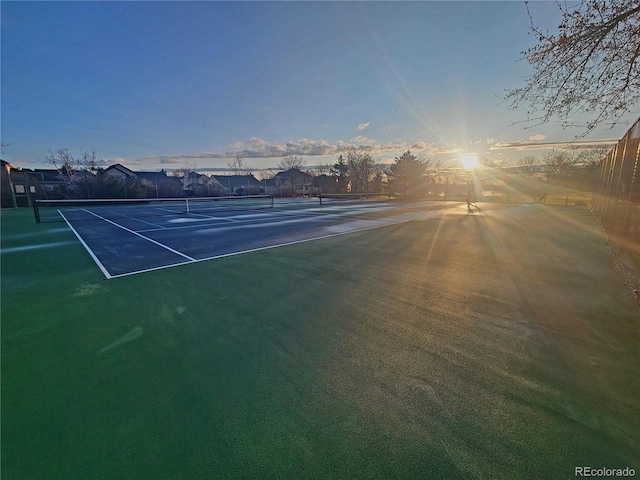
[
  {"x": 184, "y": 170},
  {"x": 432, "y": 169},
  {"x": 590, "y": 65},
  {"x": 289, "y": 161},
  {"x": 237, "y": 165},
  {"x": 322, "y": 169},
  {"x": 63, "y": 160},
  {"x": 183, "y": 173},
  {"x": 592, "y": 157},
  {"x": 266, "y": 174},
  {"x": 528, "y": 167},
  {"x": 361, "y": 170},
  {"x": 559, "y": 165},
  {"x": 490, "y": 163},
  {"x": 89, "y": 160}
]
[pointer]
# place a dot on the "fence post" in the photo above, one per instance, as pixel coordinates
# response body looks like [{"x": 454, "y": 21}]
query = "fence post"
[
  {"x": 611, "y": 205},
  {"x": 632, "y": 198},
  {"x": 617, "y": 187}
]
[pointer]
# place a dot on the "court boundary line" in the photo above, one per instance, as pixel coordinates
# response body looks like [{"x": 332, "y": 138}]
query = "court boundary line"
[
  {"x": 84, "y": 244},
  {"x": 216, "y": 222},
  {"x": 138, "y": 220},
  {"x": 268, "y": 247},
  {"x": 286, "y": 213},
  {"x": 184, "y": 255},
  {"x": 209, "y": 216}
]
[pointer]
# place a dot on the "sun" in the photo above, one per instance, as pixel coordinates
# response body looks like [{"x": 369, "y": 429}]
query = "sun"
[{"x": 469, "y": 162}]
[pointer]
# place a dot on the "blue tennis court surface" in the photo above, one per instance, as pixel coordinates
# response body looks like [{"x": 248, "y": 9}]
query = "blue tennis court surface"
[{"x": 124, "y": 242}]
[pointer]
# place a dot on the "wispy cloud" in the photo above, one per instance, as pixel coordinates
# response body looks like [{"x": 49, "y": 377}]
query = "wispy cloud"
[
  {"x": 259, "y": 148},
  {"x": 363, "y": 126},
  {"x": 177, "y": 160},
  {"x": 528, "y": 145},
  {"x": 122, "y": 161},
  {"x": 535, "y": 138},
  {"x": 362, "y": 140},
  {"x": 236, "y": 145},
  {"x": 419, "y": 146}
]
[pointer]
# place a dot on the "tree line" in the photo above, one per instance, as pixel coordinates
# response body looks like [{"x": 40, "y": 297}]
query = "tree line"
[
  {"x": 409, "y": 176},
  {"x": 575, "y": 170}
]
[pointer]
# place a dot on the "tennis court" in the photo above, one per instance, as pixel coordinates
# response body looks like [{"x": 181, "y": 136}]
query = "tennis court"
[
  {"x": 499, "y": 343},
  {"x": 125, "y": 237}
]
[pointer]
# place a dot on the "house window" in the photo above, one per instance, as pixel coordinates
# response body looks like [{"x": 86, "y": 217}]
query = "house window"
[
  {"x": 48, "y": 188},
  {"x": 19, "y": 188},
  {"x": 32, "y": 188}
]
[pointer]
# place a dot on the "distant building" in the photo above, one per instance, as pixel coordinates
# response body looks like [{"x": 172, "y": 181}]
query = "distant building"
[
  {"x": 160, "y": 185},
  {"x": 270, "y": 187},
  {"x": 7, "y": 198},
  {"x": 195, "y": 184},
  {"x": 295, "y": 182},
  {"x": 237, "y": 184},
  {"x": 21, "y": 186},
  {"x": 120, "y": 171},
  {"x": 326, "y": 184}
]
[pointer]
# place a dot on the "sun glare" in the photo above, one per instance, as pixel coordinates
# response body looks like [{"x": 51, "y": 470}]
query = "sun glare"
[{"x": 469, "y": 161}]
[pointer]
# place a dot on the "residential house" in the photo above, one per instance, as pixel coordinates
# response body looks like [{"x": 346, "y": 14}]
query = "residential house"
[
  {"x": 161, "y": 185},
  {"x": 326, "y": 184},
  {"x": 295, "y": 182},
  {"x": 269, "y": 186},
  {"x": 238, "y": 184},
  {"x": 195, "y": 184},
  {"x": 216, "y": 188},
  {"x": 120, "y": 171},
  {"x": 20, "y": 186}
]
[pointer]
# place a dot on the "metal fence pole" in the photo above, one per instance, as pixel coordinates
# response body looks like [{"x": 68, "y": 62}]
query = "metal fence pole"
[{"x": 634, "y": 153}]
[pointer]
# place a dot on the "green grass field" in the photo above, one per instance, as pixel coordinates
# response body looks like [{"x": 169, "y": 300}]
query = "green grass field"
[{"x": 496, "y": 345}]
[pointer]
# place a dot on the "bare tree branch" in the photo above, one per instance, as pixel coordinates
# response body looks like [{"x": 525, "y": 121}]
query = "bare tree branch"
[
  {"x": 291, "y": 161},
  {"x": 237, "y": 165},
  {"x": 589, "y": 66}
]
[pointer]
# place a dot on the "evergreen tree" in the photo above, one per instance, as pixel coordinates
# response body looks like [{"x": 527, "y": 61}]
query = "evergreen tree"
[
  {"x": 340, "y": 170},
  {"x": 407, "y": 176}
]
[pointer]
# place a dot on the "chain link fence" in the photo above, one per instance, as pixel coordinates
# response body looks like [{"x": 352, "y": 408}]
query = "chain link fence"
[{"x": 616, "y": 196}]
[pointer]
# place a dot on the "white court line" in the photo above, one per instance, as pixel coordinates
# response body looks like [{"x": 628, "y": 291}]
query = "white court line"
[
  {"x": 192, "y": 213},
  {"x": 275, "y": 218},
  {"x": 141, "y": 236},
  {"x": 95, "y": 259},
  {"x": 268, "y": 247},
  {"x": 172, "y": 211},
  {"x": 249, "y": 221},
  {"x": 272, "y": 217},
  {"x": 213, "y": 218},
  {"x": 138, "y": 220}
]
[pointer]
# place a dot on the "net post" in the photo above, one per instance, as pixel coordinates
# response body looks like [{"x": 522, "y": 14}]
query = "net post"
[
  {"x": 320, "y": 197},
  {"x": 36, "y": 212},
  {"x": 271, "y": 200},
  {"x": 187, "y": 203}
]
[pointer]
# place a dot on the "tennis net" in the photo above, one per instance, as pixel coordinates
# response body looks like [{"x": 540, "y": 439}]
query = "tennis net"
[
  {"x": 59, "y": 210},
  {"x": 352, "y": 197}
]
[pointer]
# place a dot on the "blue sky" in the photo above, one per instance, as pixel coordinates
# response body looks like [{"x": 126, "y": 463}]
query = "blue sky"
[{"x": 163, "y": 84}]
